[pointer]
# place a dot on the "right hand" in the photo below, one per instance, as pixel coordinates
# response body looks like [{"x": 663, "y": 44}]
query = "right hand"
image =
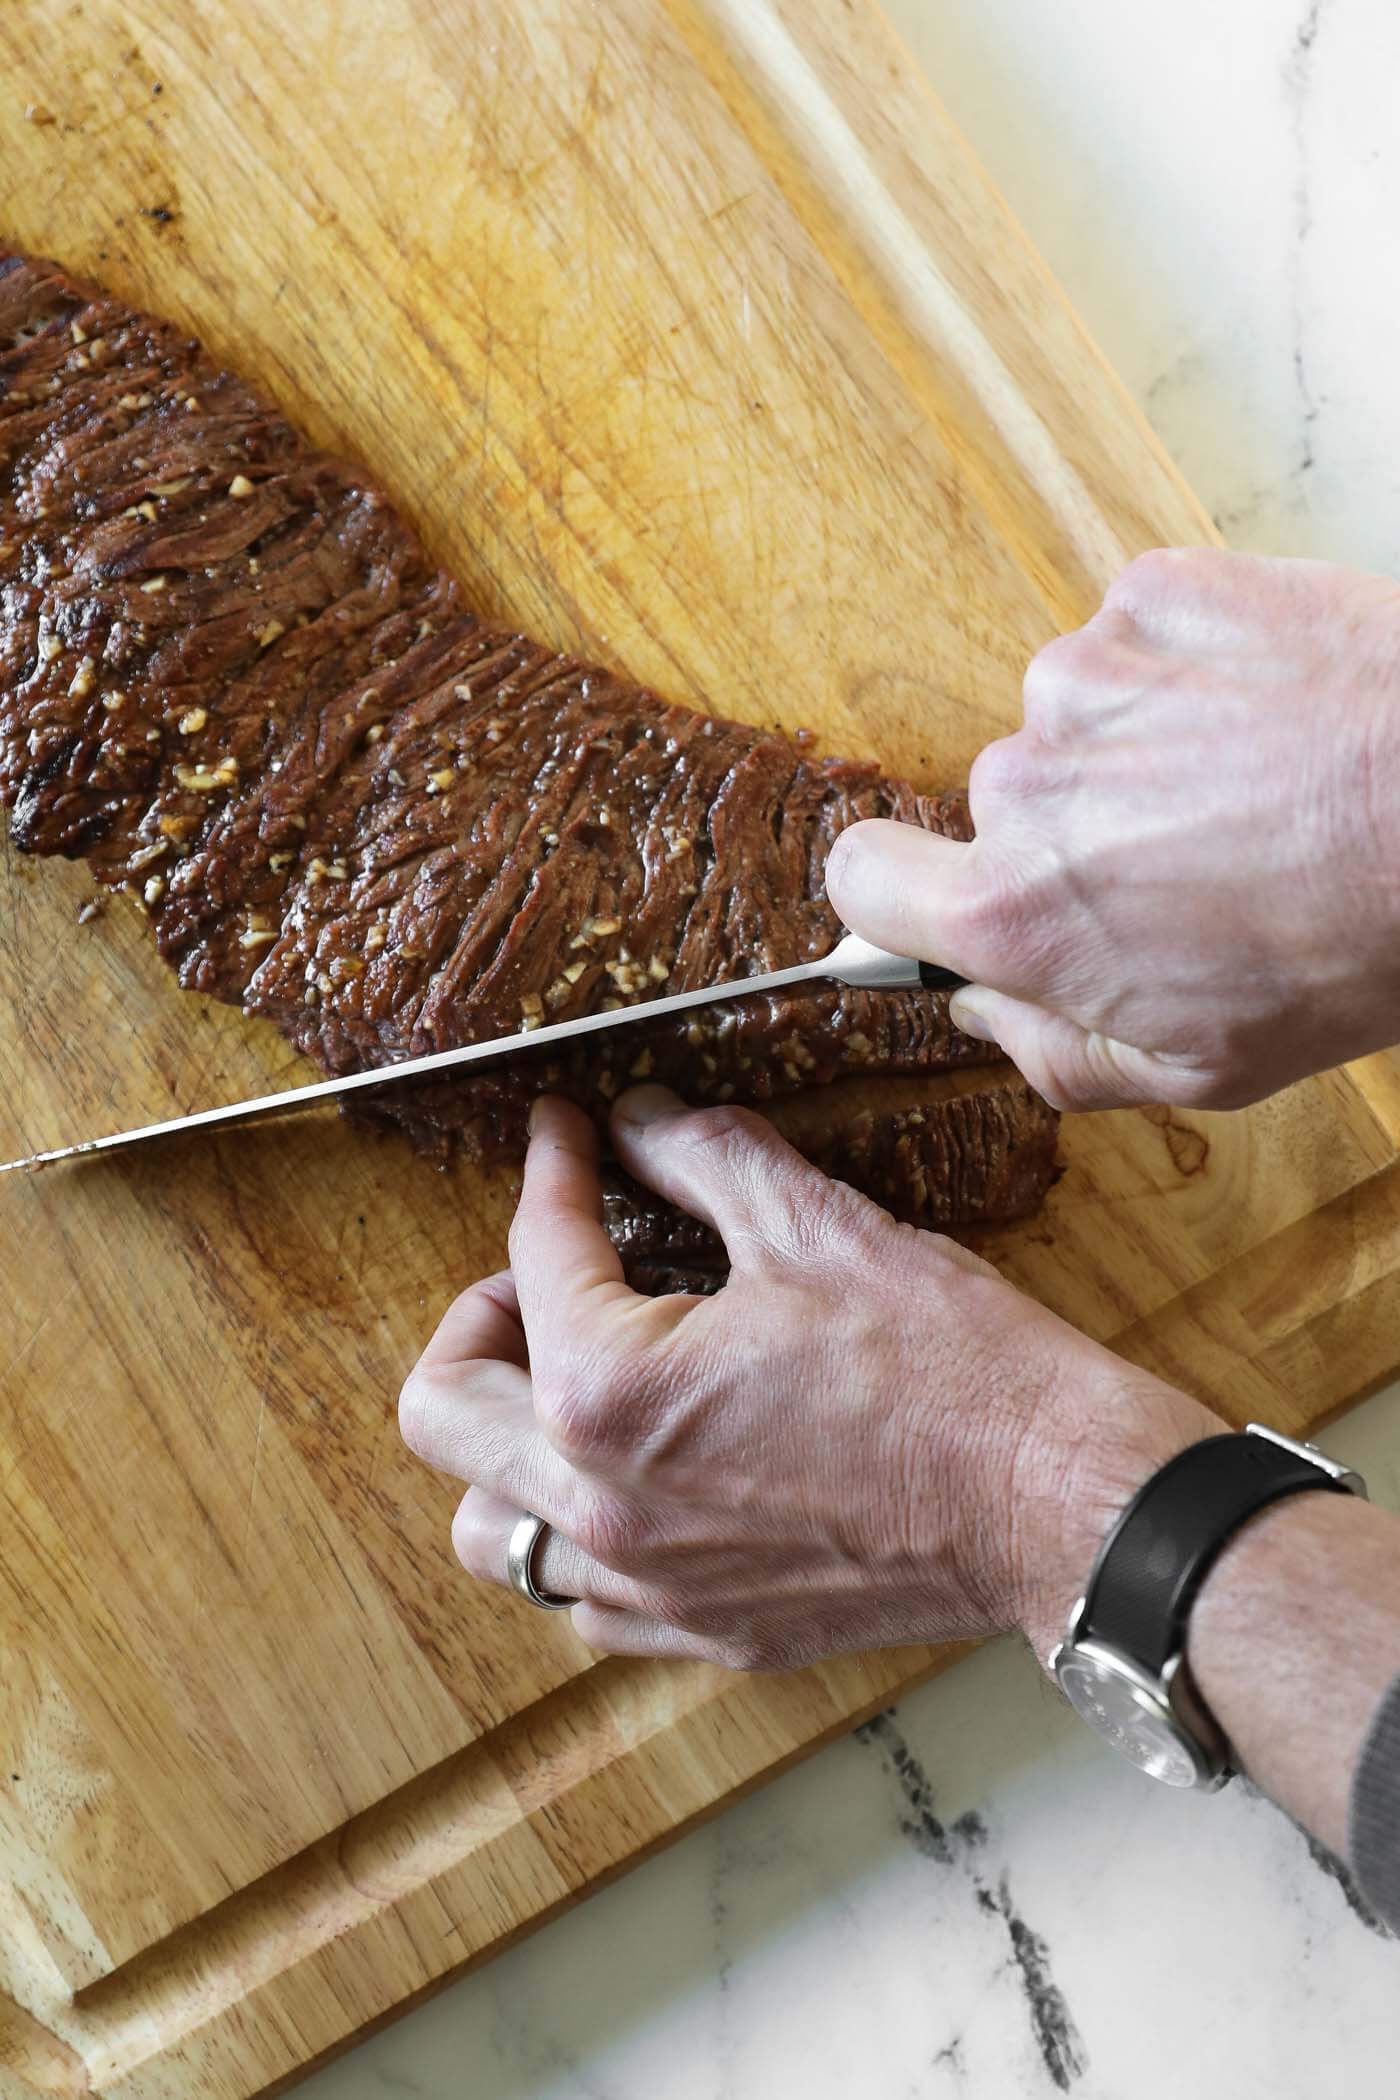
[{"x": 1185, "y": 884}]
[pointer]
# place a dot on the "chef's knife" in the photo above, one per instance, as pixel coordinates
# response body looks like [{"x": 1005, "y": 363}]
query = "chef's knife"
[{"x": 852, "y": 961}]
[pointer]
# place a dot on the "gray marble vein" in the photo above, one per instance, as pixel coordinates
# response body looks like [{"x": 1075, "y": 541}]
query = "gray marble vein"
[{"x": 1298, "y": 74}]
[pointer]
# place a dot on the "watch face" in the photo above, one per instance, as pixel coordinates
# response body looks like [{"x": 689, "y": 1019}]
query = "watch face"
[{"x": 1129, "y": 1716}]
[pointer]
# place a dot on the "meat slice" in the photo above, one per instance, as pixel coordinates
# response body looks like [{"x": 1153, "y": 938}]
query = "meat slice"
[
  {"x": 232, "y": 680},
  {"x": 662, "y": 1249},
  {"x": 749, "y": 1051}
]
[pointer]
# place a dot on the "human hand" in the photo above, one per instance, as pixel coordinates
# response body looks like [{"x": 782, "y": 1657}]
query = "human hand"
[
  {"x": 1185, "y": 885},
  {"x": 866, "y": 1437}
]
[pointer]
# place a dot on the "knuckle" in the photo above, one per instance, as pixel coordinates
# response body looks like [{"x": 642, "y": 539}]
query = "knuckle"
[
  {"x": 852, "y": 1225},
  {"x": 723, "y": 1130},
  {"x": 571, "y": 1411},
  {"x": 1054, "y": 674},
  {"x": 1051, "y": 716},
  {"x": 609, "y": 1532},
  {"x": 1061, "y": 688},
  {"x": 826, "y": 1223},
  {"x": 737, "y": 1149},
  {"x": 668, "y": 1603},
  {"x": 1002, "y": 772},
  {"x": 414, "y": 1409},
  {"x": 1149, "y": 577}
]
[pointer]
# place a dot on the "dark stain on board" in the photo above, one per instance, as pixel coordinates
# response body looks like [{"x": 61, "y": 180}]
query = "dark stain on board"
[{"x": 1189, "y": 1148}]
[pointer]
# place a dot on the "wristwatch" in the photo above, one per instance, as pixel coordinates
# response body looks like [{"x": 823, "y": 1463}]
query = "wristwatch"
[{"x": 1122, "y": 1662}]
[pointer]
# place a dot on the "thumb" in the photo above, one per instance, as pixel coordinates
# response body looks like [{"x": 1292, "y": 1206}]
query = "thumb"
[
  {"x": 1071, "y": 1066},
  {"x": 729, "y": 1168},
  {"x": 906, "y": 889}
]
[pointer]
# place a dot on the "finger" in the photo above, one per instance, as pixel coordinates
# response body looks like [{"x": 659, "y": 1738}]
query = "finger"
[
  {"x": 729, "y": 1168},
  {"x": 905, "y": 889},
  {"x": 484, "y": 1321},
  {"x": 471, "y": 1376},
  {"x": 1071, "y": 1066},
  {"x": 481, "y": 1534},
  {"x": 467, "y": 1407},
  {"x": 560, "y": 1252},
  {"x": 464, "y": 1424},
  {"x": 615, "y": 1632}
]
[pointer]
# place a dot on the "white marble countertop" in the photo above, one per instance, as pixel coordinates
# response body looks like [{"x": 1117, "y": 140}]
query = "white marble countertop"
[{"x": 971, "y": 1896}]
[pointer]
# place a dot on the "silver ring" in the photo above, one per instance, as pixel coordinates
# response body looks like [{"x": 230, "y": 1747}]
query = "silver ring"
[{"x": 525, "y": 1537}]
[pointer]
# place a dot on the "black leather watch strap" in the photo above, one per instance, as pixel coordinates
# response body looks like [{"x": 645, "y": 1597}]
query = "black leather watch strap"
[{"x": 1155, "y": 1559}]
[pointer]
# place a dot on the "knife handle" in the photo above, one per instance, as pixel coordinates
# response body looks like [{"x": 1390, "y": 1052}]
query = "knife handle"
[{"x": 858, "y": 962}]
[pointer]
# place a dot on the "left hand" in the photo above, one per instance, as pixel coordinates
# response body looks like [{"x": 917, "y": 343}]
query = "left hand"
[{"x": 866, "y": 1437}]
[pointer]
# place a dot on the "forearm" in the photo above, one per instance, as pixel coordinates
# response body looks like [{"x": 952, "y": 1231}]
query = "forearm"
[{"x": 1293, "y": 1640}]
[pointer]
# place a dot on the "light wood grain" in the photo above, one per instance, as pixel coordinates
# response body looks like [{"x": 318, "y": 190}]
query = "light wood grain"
[{"x": 690, "y": 335}]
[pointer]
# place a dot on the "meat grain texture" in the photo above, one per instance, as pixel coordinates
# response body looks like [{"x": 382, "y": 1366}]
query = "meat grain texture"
[{"x": 232, "y": 681}]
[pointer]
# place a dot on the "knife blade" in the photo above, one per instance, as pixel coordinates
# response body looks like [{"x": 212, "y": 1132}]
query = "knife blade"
[{"x": 852, "y": 961}]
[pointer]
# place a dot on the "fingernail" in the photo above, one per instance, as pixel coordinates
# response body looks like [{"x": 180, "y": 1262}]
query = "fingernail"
[
  {"x": 845, "y": 860},
  {"x": 538, "y": 1106},
  {"x": 642, "y": 1105},
  {"x": 965, "y": 1013}
]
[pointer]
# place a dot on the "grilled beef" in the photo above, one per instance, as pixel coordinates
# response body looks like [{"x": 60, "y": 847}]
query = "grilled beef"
[{"x": 232, "y": 681}]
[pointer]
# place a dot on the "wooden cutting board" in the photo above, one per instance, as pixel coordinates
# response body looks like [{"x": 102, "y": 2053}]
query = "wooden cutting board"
[{"x": 690, "y": 335}]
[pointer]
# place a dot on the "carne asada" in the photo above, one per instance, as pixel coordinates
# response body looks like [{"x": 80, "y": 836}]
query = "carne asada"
[{"x": 234, "y": 683}]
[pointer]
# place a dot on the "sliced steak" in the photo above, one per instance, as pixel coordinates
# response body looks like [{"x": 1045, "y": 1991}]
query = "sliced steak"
[
  {"x": 750, "y": 1051},
  {"x": 232, "y": 680}
]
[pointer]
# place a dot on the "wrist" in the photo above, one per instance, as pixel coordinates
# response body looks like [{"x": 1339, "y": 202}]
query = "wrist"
[
  {"x": 1360, "y": 863},
  {"x": 1073, "y": 1483},
  {"x": 1292, "y": 1643}
]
